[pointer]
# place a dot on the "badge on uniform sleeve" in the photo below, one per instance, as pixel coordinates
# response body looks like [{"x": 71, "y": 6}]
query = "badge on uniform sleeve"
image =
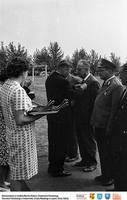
[{"x": 108, "y": 84}]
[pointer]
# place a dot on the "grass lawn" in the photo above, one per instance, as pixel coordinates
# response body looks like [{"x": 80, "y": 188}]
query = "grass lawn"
[{"x": 41, "y": 125}]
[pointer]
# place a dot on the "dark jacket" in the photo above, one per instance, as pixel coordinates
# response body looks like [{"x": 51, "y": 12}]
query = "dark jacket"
[
  {"x": 58, "y": 89},
  {"x": 119, "y": 123},
  {"x": 85, "y": 102},
  {"x": 118, "y": 141},
  {"x": 106, "y": 103},
  {"x": 29, "y": 93}
]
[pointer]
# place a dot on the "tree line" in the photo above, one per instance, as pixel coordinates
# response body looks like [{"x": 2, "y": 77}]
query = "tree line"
[{"x": 51, "y": 56}]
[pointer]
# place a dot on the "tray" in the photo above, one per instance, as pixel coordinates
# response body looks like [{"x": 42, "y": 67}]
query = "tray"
[{"x": 43, "y": 113}]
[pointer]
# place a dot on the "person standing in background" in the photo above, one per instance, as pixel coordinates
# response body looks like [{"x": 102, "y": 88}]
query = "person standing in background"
[
  {"x": 103, "y": 113},
  {"x": 4, "y": 167},
  {"x": 83, "y": 110},
  {"x": 26, "y": 86},
  {"x": 118, "y": 138}
]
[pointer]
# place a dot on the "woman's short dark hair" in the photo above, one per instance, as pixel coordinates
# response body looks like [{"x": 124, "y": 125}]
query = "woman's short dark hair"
[{"x": 16, "y": 67}]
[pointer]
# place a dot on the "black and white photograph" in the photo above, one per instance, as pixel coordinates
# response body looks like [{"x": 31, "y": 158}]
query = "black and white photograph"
[{"x": 63, "y": 95}]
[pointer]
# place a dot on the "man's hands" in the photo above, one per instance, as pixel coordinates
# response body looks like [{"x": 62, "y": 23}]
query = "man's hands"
[
  {"x": 50, "y": 106},
  {"x": 64, "y": 104}
]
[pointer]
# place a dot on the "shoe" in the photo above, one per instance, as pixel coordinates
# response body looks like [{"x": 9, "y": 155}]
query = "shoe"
[
  {"x": 7, "y": 184},
  {"x": 80, "y": 164},
  {"x": 61, "y": 174},
  {"x": 2, "y": 189},
  {"x": 68, "y": 159},
  {"x": 89, "y": 168},
  {"x": 107, "y": 182},
  {"x": 99, "y": 178}
]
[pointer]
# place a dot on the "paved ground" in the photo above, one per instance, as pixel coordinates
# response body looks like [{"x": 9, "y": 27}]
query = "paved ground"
[{"x": 78, "y": 181}]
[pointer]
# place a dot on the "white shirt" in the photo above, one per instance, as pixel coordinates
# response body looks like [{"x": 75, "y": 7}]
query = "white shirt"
[{"x": 86, "y": 77}]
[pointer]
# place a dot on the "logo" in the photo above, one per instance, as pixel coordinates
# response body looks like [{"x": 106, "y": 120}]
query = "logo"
[
  {"x": 99, "y": 196},
  {"x": 107, "y": 196},
  {"x": 116, "y": 196},
  {"x": 82, "y": 196},
  {"x": 92, "y": 196}
]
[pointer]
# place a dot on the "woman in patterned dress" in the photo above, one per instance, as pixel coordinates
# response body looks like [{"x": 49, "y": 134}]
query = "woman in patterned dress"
[
  {"x": 21, "y": 137},
  {"x": 4, "y": 167}
]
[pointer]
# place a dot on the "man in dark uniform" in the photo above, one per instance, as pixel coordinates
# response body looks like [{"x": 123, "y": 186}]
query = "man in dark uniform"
[
  {"x": 103, "y": 113},
  {"x": 118, "y": 138},
  {"x": 83, "y": 110},
  {"x": 26, "y": 86},
  {"x": 58, "y": 89}
]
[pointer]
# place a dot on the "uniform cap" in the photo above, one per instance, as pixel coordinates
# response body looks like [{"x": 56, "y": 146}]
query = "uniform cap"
[
  {"x": 124, "y": 67},
  {"x": 106, "y": 64}
]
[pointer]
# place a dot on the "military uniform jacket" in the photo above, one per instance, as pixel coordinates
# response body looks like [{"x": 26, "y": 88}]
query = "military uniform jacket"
[
  {"x": 118, "y": 139},
  {"x": 106, "y": 103},
  {"x": 119, "y": 124}
]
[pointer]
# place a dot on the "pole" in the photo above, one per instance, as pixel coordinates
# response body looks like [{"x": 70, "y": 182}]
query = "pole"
[
  {"x": 46, "y": 73},
  {"x": 32, "y": 73}
]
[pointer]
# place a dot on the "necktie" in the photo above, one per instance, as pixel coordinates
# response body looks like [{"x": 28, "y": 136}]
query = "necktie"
[{"x": 83, "y": 81}]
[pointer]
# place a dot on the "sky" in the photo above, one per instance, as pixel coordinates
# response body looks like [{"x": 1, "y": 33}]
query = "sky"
[{"x": 92, "y": 24}]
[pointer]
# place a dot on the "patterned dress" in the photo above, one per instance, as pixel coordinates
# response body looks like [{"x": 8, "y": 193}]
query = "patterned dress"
[
  {"x": 21, "y": 139},
  {"x": 3, "y": 142}
]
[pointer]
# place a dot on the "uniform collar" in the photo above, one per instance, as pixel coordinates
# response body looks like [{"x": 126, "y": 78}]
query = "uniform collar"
[{"x": 109, "y": 79}]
